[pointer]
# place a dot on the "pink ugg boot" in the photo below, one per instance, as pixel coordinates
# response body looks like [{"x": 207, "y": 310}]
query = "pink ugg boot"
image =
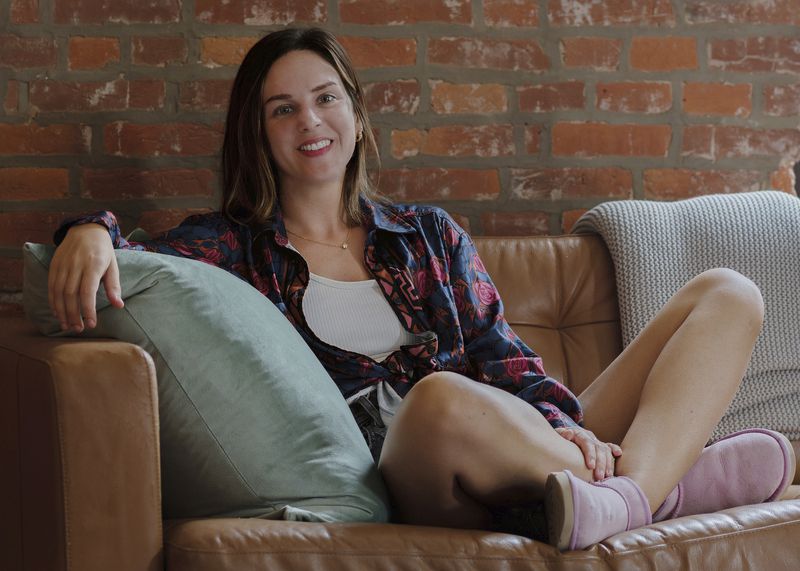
[
  {"x": 581, "y": 513},
  {"x": 746, "y": 467}
]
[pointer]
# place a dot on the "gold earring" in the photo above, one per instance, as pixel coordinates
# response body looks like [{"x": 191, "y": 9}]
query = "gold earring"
[{"x": 359, "y": 136}]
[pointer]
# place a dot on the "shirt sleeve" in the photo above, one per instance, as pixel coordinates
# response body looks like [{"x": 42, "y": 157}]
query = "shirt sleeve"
[
  {"x": 499, "y": 357},
  {"x": 208, "y": 238}
]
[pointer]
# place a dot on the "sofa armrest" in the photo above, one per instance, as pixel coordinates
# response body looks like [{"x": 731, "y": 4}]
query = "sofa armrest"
[{"x": 80, "y": 480}]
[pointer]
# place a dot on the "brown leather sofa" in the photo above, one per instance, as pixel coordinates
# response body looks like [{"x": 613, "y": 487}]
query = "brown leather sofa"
[{"x": 80, "y": 458}]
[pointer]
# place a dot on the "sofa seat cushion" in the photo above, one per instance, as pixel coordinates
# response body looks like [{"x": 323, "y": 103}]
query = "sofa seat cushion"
[{"x": 765, "y": 536}]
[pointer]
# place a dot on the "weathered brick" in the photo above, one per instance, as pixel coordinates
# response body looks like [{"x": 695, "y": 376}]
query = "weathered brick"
[
  {"x": 698, "y": 141},
  {"x": 515, "y": 223},
  {"x": 11, "y": 305},
  {"x": 742, "y": 12},
  {"x": 205, "y": 95},
  {"x": 11, "y": 100},
  {"x": 460, "y": 219},
  {"x": 215, "y": 52},
  {"x": 33, "y": 139},
  {"x": 129, "y": 182},
  {"x": 516, "y": 55},
  {"x": 157, "y": 221},
  {"x": 116, "y": 95},
  {"x": 547, "y": 97},
  {"x": 635, "y": 96},
  {"x": 261, "y": 12},
  {"x": 449, "y": 98},
  {"x": 616, "y": 13},
  {"x": 570, "y": 217},
  {"x": 715, "y": 142},
  {"x": 533, "y": 136},
  {"x": 717, "y": 99},
  {"x": 663, "y": 53},
  {"x": 765, "y": 54},
  {"x": 400, "y": 96},
  {"x": 676, "y": 184},
  {"x": 599, "y": 139},
  {"x": 21, "y": 183},
  {"x": 407, "y": 12},
  {"x": 173, "y": 139},
  {"x": 92, "y": 53},
  {"x": 456, "y": 141},
  {"x": 511, "y": 13},
  {"x": 20, "y": 53},
  {"x": 10, "y": 274},
  {"x": 24, "y": 11},
  {"x": 569, "y": 183},
  {"x": 432, "y": 184},
  {"x": 782, "y": 100},
  {"x": 16, "y": 228},
  {"x": 602, "y": 54},
  {"x": 158, "y": 50},
  {"x": 784, "y": 179},
  {"x": 373, "y": 52},
  {"x": 125, "y": 12}
]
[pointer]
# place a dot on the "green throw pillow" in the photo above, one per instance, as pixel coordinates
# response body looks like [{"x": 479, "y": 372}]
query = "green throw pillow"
[{"x": 251, "y": 424}]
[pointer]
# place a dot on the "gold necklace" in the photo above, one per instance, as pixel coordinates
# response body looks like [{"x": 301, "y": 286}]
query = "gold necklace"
[{"x": 343, "y": 245}]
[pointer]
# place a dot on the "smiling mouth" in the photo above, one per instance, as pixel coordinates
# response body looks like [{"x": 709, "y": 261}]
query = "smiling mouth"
[{"x": 316, "y": 146}]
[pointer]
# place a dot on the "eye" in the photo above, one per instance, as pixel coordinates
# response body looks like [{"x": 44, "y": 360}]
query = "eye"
[
  {"x": 282, "y": 110},
  {"x": 327, "y": 98}
]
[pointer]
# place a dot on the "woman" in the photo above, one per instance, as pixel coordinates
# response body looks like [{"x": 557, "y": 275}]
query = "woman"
[{"x": 396, "y": 304}]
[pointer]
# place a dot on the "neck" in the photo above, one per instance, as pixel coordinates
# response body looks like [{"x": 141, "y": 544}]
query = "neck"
[{"x": 314, "y": 212}]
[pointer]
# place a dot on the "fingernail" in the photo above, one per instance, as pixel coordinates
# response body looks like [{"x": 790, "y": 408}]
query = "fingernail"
[{"x": 90, "y": 323}]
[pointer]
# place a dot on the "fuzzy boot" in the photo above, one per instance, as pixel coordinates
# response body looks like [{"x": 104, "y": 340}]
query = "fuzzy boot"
[
  {"x": 581, "y": 513},
  {"x": 746, "y": 467}
]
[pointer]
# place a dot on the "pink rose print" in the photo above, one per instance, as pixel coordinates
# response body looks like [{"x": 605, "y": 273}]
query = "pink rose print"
[
  {"x": 486, "y": 293},
  {"x": 436, "y": 270},
  {"x": 424, "y": 285},
  {"x": 450, "y": 236},
  {"x": 538, "y": 366},
  {"x": 516, "y": 368},
  {"x": 478, "y": 263}
]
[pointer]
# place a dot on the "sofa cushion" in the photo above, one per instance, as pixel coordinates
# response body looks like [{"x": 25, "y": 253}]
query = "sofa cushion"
[{"x": 250, "y": 422}]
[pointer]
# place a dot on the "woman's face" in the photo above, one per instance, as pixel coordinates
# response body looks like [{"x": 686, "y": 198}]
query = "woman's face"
[{"x": 309, "y": 119}]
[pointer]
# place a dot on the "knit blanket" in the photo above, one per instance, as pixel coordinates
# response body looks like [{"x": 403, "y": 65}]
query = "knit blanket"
[{"x": 657, "y": 247}]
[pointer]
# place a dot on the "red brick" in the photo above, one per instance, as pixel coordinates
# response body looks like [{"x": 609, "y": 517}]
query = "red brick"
[
  {"x": 11, "y": 305},
  {"x": 515, "y": 223},
  {"x": 455, "y": 141},
  {"x": 24, "y": 11},
  {"x": 215, "y": 52},
  {"x": 205, "y": 95},
  {"x": 676, "y": 184},
  {"x": 511, "y": 13},
  {"x": 768, "y": 54},
  {"x": 717, "y": 99},
  {"x": 447, "y": 98},
  {"x": 517, "y": 55},
  {"x": 461, "y": 220},
  {"x": 698, "y": 141},
  {"x": 784, "y": 180},
  {"x": 611, "y": 13},
  {"x": 602, "y": 54},
  {"x": 19, "y": 183},
  {"x": 742, "y": 12},
  {"x": 171, "y": 139},
  {"x": 401, "y": 96},
  {"x": 129, "y": 182},
  {"x": 10, "y": 274},
  {"x": 20, "y": 53},
  {"x": 533, "y": 135},
  {"x": 116, "y": 95},
  {"x": 117, "y": 12},
  {"x": 635, "y": 96},
  {"x": 16, "y": 228},
  {"x": 154, "y": 222},
  {"x": 158, "y": 50},
  {"x": 92, "y": 53},
  {"x": 261, "y": 12},
  {"x": 32, "y": 139},
  {"x": 432, "y": 184},
  {"x": 547, "y": 97},
  {"x": 372, "y": 52},
  {"x": 782, "y": 100},
  {"x": 663, "y": 53},
  {"x": 599, "y": 139},
  {"x": 406, "y": 12},
  {"x": 11, "y": 100},
  {"x": 569, "y": 218},
  {"x": 568, "y": 183},
  {"x": 730, "y": 141}
]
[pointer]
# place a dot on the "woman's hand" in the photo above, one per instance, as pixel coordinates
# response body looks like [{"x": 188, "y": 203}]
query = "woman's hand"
[
  {"x": 599, "y": 456},
  {"x": 81, "y": 261}
]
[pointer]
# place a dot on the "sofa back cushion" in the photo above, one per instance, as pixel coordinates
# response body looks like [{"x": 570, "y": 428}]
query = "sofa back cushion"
[{"x": 250, "y": 422}]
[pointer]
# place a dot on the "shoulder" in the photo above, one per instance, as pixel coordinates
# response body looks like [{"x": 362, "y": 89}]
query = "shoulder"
[{"x": 424, "y": 218}]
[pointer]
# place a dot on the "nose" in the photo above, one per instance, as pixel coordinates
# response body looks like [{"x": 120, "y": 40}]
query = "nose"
[{"x": 308, "y": 119}]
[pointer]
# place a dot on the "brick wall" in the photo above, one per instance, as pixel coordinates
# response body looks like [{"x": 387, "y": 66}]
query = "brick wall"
[{"x": 515, "y": 115}]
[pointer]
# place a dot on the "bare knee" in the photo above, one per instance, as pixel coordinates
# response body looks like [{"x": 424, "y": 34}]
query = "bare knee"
[{"x": 729, "y": 291}]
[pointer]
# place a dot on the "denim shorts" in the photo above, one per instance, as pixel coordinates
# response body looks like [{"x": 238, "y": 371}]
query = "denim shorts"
[{"x": 368, "y": 417}]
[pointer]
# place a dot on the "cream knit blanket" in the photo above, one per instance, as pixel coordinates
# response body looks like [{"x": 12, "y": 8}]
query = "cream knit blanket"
[{"x": 656, "y": 247}]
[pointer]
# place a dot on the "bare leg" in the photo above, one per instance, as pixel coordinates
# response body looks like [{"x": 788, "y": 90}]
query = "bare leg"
[{"x": 457, "y": 446}]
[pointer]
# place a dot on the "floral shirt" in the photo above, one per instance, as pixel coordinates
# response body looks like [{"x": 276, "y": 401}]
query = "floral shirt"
[{"x": 429, "y": 271}]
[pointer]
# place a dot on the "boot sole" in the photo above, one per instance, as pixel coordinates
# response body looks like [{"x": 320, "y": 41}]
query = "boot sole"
[{"x": 559, "y": 510}]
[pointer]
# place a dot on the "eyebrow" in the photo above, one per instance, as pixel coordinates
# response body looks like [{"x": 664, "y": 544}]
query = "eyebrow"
[{"x": 287, "y": 96}]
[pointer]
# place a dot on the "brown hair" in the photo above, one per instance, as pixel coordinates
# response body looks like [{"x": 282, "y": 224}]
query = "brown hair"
[{"x": 249, "y": 174}]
